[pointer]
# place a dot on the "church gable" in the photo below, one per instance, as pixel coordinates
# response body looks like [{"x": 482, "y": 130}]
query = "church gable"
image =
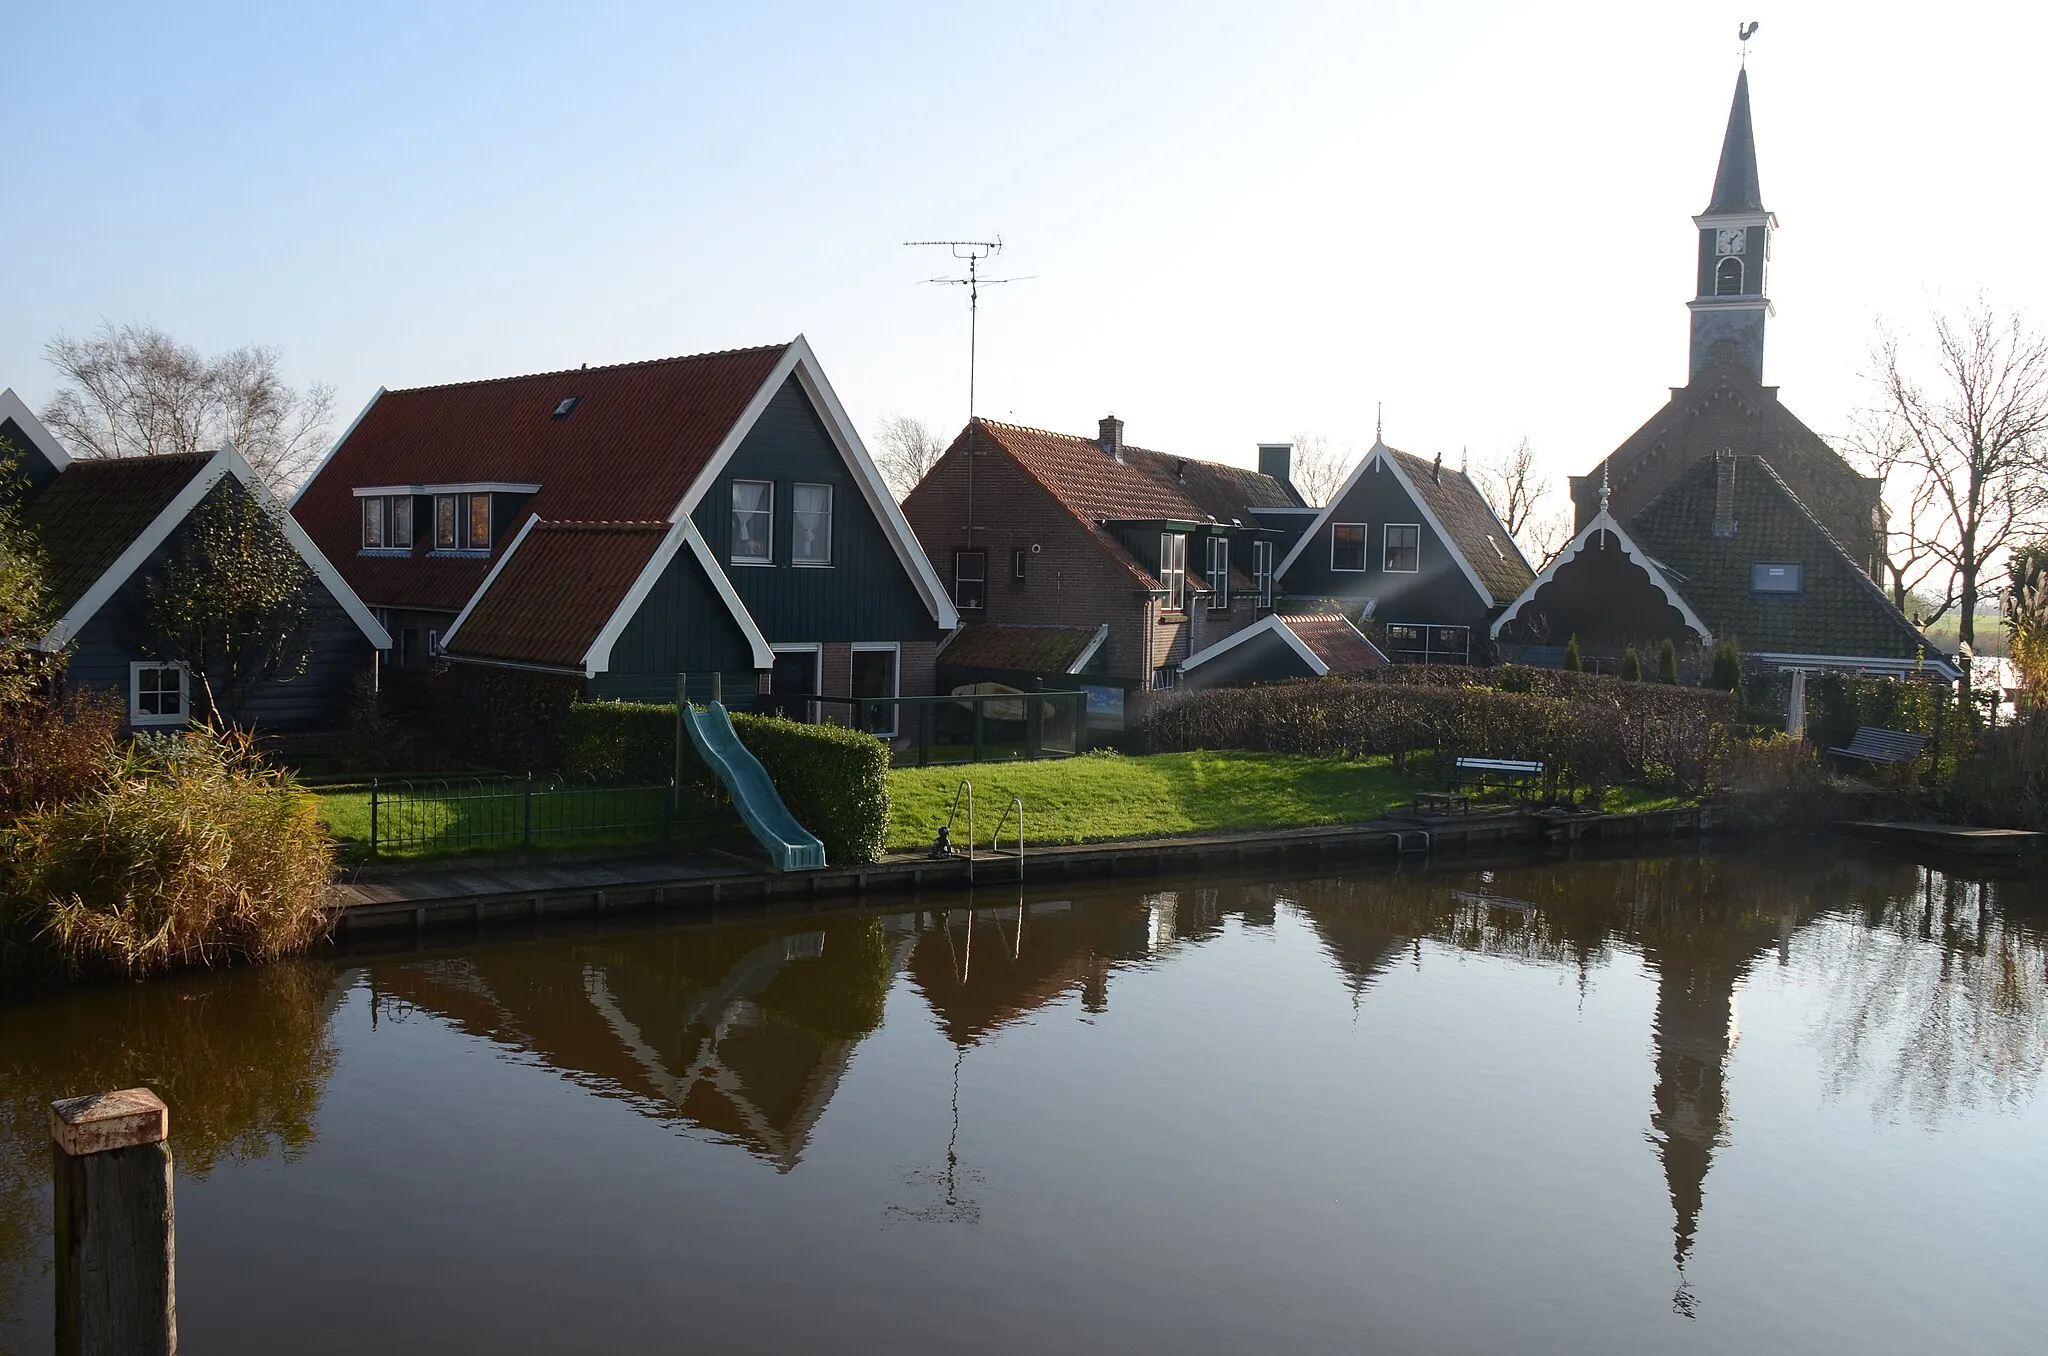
[{"x": 1760, "y": 567}]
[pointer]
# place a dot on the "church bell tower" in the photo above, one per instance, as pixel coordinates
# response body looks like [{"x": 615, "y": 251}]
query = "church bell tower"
[{"x": 1730, "y": 305}]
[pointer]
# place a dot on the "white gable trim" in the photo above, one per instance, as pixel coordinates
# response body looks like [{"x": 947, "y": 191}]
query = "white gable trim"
[
  {"x": 1448, "y": 542},
  {"x": 682, "y": 533},
  {"x": 307, "y": 483},
  {"x": 1379, "y": 454},
  {"x": 1328, "y": 511},
  {"x": 511, "y": 547},
  {"x": 224, "y": 463},
  {"x": 1101, "y": 634},
  {"x": 1603, "y": 521},
  {"x": 800, "y": 361},
  {"x": 1272, "y": 624},
  {"x": 14, "y": 407}
]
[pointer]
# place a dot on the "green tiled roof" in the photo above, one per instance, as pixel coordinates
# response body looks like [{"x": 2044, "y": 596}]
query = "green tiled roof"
[
  {"x": 92, "y": 512},
  {"x": 1840, "y": 612}
]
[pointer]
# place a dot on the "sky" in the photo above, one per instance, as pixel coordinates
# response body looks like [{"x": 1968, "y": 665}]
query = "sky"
[{"x": 1231, "y": 223}]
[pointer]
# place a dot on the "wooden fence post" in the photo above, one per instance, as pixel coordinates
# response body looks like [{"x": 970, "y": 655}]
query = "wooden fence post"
[{"x": 115, "y": 1227}]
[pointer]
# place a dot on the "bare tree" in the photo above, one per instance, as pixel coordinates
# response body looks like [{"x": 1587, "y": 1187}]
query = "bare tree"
[
  {"x": 1913, "y": 570},
  {"x": 906, "y": 448},
  {"x": 134, "y": 391},
  {"x": 1519, "y": 494},
  {"x": 1971, "y": 409},
  {"x": 1320, "y": 467}
]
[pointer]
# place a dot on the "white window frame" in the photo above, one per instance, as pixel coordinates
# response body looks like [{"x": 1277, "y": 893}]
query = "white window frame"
[
  {"x": 767, "y": 511},
  {"x": 376, "y": 509},
  {"x": 1364, "y": 548},
  {"x": 982, "y": 579},
  {"x": 819, "y": 562},
  {"x": 1386, "y": 539},
  {"x": 1173, "y": 570},
  {"x": 1219, "y": 574},
  {"x": 1262, "y": 572},
  {"x": 1166, "y": 677},
  {"x": 468, "y": 508},
  {"x": 137, "y": 716},
  {"x": 392, "y": 504},
  {"x": 454, "y": 539},
  {"x": 889, "y": 647}
]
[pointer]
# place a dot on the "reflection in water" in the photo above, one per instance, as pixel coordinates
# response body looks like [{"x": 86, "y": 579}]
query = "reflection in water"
[{"x": 1931, "y": 998}]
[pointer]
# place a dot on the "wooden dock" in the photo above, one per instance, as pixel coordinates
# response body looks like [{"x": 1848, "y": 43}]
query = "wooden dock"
[
  {"x": 475, "y": 894},
  {"x": 1949, "y": 840}
]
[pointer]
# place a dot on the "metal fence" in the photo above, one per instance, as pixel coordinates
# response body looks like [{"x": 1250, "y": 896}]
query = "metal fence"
[
  {"x": 432, "y": 818},
  {"x": 976, "y": 727}
]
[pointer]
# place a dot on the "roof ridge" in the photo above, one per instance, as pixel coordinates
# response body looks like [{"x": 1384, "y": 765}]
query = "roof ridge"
[
  {"x": 607, "y": 367},
  {"x": 1128, "y": 447},
  {"x": 592, "y": 524}
]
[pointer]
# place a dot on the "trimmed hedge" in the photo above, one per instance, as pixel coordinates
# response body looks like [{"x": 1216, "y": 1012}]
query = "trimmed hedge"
[
  {"x": 1589, "y": 730},
  {"x": 834, "y": 780}
]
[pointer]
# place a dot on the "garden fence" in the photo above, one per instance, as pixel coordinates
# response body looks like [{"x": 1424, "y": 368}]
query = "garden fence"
[{"x": 415, "y": 818}]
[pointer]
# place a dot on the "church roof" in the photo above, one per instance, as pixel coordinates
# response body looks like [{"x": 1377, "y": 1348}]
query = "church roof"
[
  {"x": 1735, "y": 184},
  {"x": 1735, "y": 181}
]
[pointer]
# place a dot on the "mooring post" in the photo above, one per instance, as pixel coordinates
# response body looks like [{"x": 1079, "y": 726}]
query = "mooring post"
[{"x": 115, "y": 1228}]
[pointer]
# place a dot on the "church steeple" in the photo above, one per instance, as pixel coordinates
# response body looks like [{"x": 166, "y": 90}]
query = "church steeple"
[{"x": 1729, "y": 306}]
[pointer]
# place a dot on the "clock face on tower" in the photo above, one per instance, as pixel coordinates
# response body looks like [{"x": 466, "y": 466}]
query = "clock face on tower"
[{"x": 1730, "y": 239}]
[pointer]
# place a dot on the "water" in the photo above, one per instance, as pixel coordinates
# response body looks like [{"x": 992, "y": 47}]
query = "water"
[{"x": 1784, "y": 1102}]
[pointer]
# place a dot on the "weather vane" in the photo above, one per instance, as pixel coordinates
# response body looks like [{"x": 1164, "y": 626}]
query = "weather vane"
[{"x": 1745, "y": 32}]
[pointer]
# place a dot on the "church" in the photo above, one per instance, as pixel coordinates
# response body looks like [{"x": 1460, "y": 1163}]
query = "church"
[{"x": 1724, "y": 516}]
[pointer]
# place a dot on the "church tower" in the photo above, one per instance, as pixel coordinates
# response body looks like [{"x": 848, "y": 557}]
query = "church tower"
[{"x": 1730, "y": 306}]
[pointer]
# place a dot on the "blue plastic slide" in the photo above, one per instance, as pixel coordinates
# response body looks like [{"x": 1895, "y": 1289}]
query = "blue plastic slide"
[{"x": 791, "y": 847}]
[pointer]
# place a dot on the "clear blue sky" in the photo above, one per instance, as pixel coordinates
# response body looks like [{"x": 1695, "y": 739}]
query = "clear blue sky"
[{"x": 1245, "y": 220}]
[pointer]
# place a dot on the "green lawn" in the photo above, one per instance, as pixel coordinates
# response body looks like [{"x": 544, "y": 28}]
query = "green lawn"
[{"x": 495, "y": 818}]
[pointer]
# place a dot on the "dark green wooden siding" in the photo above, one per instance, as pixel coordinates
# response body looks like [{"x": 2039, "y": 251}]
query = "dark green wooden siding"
[
  {"x": 1438, "y": 592},
  {"x": 865, "y": 593},
  {"x": 683, "y": 627}
]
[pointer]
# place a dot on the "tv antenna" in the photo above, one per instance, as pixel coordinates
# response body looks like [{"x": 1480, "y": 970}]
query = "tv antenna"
[{"x": 973, "y": 251}]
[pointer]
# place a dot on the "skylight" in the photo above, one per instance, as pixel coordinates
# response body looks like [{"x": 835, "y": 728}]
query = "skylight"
[{"x": 562, "y": 410}]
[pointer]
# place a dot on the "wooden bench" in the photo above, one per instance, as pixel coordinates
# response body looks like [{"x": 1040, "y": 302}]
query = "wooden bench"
[
  {"x": 1873, "y": 744},
  {"x": 1508, "y": 774},
  {"x": 1443, "y": 802}
]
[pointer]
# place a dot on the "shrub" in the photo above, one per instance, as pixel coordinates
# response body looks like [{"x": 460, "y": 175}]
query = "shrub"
[
  {"x": 50, "y": 754},
  {"x": 1667, "y": 662},
  {"x": 1776, "y": 781},
  {"x": 623, "y": 742},
  {"x": 1572, "y": 662},
  {"x": 834, "y": 780},
  {"x": 1726, "y": 675},
  {"x": 191, "y": 851},
  {"x": 1631, "y": 665}
]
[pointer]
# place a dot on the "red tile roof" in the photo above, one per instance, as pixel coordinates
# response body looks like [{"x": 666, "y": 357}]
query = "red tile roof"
[
  {"x": 556, "y": 592},
  {"x": 638, "y": 437},
  {"x": 1145, "y": 484},
  {"x": 1336, "y": 642}
]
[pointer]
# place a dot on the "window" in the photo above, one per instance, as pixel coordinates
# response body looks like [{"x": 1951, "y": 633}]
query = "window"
[
  {"x": 1164, "y": 678},
  {"x": 753, "y": 512},
  {"x": 1262, "y": 571},
  {"x": 444, "y": 522},
  {"x": 373, "y": 523},
  {"x": 156, "y": 694},
  {"x": 811, "y": 515},
  {"x": 1347, "y": 547},
  {"x": 1413, "y": 643},
  {"x": 1219, "y": 573},
  {"x": 1173, "y": 569},
  {"x": 1017, "y": 558},
  {"x": 875, "y": 675},
  {"x": 1728, "y": 277},
  {"x": 1777, "y": 578},
  {"x": 1403, "y": 549},
  {"x": 479, "y": 538},
  {"x": 401, "y": 521},
  {"x": 970, "y": 580}
]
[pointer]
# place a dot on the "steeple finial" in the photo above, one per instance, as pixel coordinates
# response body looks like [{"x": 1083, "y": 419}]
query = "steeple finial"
[
  {"x": 1735, "y": 179},
  {"x": 1377, "y": 423}
]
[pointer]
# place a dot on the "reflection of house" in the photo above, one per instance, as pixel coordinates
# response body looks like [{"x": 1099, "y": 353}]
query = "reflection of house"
[
  {"x": 107, "y": 528},
  {"x": 1724, "y": 515},
  {"x": 744, "y": 1032},
  {"x": 1044, "y": 538},
  {"x": 622, "y": 524}
]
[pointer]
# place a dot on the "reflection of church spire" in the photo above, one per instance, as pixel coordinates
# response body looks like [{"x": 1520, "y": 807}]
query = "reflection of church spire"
[{"x": 1694, "y": 1034}]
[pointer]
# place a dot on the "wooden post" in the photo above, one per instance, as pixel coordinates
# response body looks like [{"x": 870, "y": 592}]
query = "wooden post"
[
  {"x": 682, "y": 735},
  {"x": 111, "y": 1164}
]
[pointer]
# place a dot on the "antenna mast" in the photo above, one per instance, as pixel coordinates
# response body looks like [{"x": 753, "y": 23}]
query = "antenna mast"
[{"x": 973, "y": 251}]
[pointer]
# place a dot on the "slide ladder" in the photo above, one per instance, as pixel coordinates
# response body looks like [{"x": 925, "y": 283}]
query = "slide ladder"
[{"x": 791, "y": 847}]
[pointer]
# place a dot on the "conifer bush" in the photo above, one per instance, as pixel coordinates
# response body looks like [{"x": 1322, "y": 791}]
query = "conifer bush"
[
  {"x": 1572, "y": 662},
  {"x": 1667, "y": 662},
  {"x": 1631, "y": 665}
]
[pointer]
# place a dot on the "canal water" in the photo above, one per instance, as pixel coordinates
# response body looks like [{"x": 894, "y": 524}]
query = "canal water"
[{"x": 1783, "y": 1102}]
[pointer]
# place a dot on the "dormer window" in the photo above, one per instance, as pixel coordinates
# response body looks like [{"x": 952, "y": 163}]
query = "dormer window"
[
  {"x": 387, "y": 522},
  {"x": 462, "y": 522},
  {"x": 1728, "y": 277}
]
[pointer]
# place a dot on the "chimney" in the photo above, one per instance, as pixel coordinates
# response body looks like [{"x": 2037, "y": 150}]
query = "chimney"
[
  {"x": 1110, "y": 437},
  {"x": 1276, "y": 460},
  {"x": 1724, "y": 492},
  {"x": 1436, "y": 472}
]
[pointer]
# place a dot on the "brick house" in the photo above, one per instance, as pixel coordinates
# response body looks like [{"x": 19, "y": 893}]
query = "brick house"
[
  {"x": 618, "y": 525},
  {"x": 1091, "y": 561}
]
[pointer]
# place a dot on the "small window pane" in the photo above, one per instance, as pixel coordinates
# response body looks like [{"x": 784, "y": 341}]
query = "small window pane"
[
  {"x": 1219, "y": 573},
  {"x": 1777, "y": 578},
  {"x": 1262, "y": 571},
  {"x": 373, "y": 523},
  {"x": 1173, "y": 569},
  {"x": 444, "y": 522},
  {"x": 1404, "y": 547},
  {"x": 970, "y": 575},
  {"x": 1347, "y": 546},
  {"x": 401, "y": 521},
  {"x": 811, "y": 510},
  {"x": 753, "y": 507},
  {"x": 479, "y": 522}
]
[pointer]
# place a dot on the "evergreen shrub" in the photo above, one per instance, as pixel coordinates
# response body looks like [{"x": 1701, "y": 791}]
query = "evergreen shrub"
[
  {"x": 834, "y": 780},
  {"x": 1572, "y": 662},
  {"x": 1631, "y": 665},
  {"x": 1667, "y": 662},
  {"x": 622, "y": 743}
]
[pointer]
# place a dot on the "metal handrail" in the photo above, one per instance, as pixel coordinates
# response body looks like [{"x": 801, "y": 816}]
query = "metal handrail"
[
  {"x": 967, "y": 790},
  {"x": 995, "y": 839}
]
